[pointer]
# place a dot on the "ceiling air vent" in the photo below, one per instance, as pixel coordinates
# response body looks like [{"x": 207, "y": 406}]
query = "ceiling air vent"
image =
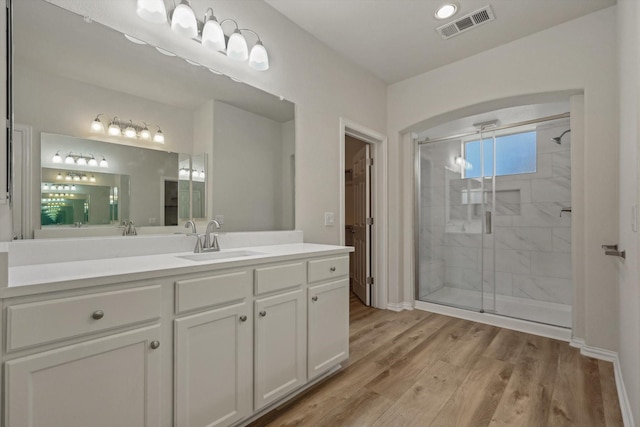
[{"x": 467, "y": 22}]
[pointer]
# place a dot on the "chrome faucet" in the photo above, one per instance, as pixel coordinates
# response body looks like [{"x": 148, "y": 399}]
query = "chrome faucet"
[
  {"x": 129, "y": 228},
  {"x": 193, "y": 227},
  {"x": 211, "y": 245}
]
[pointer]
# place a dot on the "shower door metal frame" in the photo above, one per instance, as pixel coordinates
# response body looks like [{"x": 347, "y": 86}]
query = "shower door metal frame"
[{"x": 417, "y": 185}]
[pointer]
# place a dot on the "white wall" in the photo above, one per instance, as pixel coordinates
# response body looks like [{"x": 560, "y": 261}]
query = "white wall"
[
  {"x": 322, "y": 84},
  {"x": 579, "y": 54},
  {"x": 247, "y": 165},
  {"x": 629, "y": 56}
]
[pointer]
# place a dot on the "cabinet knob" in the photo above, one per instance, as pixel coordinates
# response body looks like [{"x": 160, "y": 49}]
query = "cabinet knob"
[
  {"x": 154, "y": 344},
  {"x": 97, "y": 315},
  {"x": 314, "y": 298},
  {"x": 262, "y": 313},
  {"x": 243, "y": 318},
  {"x": 332, "y": 269}
]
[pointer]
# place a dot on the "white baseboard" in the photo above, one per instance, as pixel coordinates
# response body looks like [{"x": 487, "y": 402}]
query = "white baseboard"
[
  {"x": 399, "y": 306},
  {"x": 609, "y": 356}
]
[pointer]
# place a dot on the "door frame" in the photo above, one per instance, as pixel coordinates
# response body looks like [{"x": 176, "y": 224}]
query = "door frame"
[{"x": 379, "y": 206}]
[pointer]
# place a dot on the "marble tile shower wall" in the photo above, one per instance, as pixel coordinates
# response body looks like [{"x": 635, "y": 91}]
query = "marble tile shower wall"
[{"x": 532, "y": 242}]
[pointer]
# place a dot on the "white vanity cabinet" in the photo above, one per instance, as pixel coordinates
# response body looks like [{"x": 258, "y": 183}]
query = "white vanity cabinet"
[
  {"x": 102, "y": 382},
  {"x": 280, "y": 335},
  {"x": 213, "y": 363}
]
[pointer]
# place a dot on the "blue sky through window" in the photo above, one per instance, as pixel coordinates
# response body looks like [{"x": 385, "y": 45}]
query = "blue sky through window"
[{"x": 514, "y": 154}]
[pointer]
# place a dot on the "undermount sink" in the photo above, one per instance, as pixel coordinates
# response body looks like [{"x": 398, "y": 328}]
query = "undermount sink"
[{"x": 210, "y": 256}]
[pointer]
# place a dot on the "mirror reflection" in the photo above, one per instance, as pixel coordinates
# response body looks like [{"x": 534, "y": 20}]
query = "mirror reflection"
[{"x": 237, "y": 142}]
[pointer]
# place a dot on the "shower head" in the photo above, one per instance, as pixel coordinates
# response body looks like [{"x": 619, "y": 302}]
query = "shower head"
[{"x": 558, "y": 139}]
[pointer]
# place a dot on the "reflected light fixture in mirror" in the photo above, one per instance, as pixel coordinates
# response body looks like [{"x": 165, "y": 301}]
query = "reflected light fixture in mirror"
[
  {"x": 131, "y": 131},
  {"x": 185, "y": 23},
  {"x": 96, "y": 125},
  {"x": 114, "y": 129},
  {"x": 56, "y": 158}
]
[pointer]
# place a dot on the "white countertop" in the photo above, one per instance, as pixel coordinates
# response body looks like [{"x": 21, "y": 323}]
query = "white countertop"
[{"x": 37, "y": 278}]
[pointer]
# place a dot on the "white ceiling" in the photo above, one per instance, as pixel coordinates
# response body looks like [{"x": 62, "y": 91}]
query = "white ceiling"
[{"x": 396, "y": 39}]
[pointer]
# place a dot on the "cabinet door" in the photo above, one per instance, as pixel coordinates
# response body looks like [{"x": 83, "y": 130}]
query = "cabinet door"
[
  {"x": 280, "y": 346},
  {"x": 328, "y": 326},
  {"x": 213, "y": 367},
  {"x": 111, "y": 381}
]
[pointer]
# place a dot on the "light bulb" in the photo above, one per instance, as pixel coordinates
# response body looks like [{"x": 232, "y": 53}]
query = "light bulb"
[
  {"x": 45, "y": 187},
  {"x": 103, "y": 163},
  {"x": 183, "y": 21},
  {"x": 130, "y": 131},
  {"x": 258, "y": 59},
  {"x": 212, "y": 35},
  {"x": 57, "y": 158},
  {"x": 152, "y": 11},
  {"x": 158, "y": 137},
  {"x": 69, "y": 159},
  {"x": 144, "y": 133},
  {"x": 446, "y": 11},
  {"x": 76, "y": 178},
  {"x": 84, "y": 178},
  {"x": 96, "y": 125},
  {"x": 92, "y": 179},
  {"x": 114, "y": 129},
  {"x": 93, "y": 161},
  {"x": 81, "y": 161},
  {"x": 66, "y": 187},
  {"x": 73, "y": 187},
  {"x": 67, "y": 178},
  {"x": 237, "y": 47}
]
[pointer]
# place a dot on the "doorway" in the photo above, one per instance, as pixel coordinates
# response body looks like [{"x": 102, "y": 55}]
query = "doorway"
[{"x": 358, "y": 217}]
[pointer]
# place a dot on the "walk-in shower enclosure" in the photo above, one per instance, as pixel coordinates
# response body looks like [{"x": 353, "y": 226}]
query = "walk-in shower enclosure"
[{"x": 493, "y": 220}]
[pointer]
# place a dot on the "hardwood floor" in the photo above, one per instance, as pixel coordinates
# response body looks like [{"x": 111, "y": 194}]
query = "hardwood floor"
[{"x": 415, "y": 368}]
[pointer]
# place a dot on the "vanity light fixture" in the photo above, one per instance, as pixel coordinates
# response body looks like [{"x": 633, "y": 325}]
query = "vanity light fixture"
[
  {"x": 114, "y": 128},
  {"x": 93, "y": 178},
  {"x": 446, "y": 11},
  {"x": 159, "y": 136},
  {"x": 144, "y": 133},
  {"x": 152, "y": 11},
  {"x": 96, "y": 125},
  {"x": 184, "y": 22},
  {"x": 104, "y": 163},
  {"x": 81, "y": 161},
  {"x": 59, "y": 176},
  {"x": 93, "y": 161},
  {"x": 130, "y": 131},
  {"x": 69, "y": 160},
  {"x": 56, "y": 158}
]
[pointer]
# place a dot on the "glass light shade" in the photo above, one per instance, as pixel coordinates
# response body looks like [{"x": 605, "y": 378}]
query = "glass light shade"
[
  {"x": 66, "y": 187},
  {"x": 67, "y": 178},
  {"x": 258, "y": 59},
  {"x": 103, "y": 163},
  {"x": 81, "y": 161},
  {"x": 76, "y": 178},
  {"x": 145, "y": 134},
  {"x": 69, "y": 159},
  {"x": 183, "y": 21},
  {"x": 93, "y": 161},
  {"x": 73, "y": 187},
  {"x": 237, "y": 48},
  {"x": 114, "y": 130},
  {"x": 84, "y": 178},
  {"x": 212, "y": 35},
  {"x": 152, "y": 11},
  {"x": 56, "y": 158},
  {"x": 130, "y": 132},
  {"x": 158, "y": 137},
  {"x": 446, "y": 11},
  {"x": 92, "y": 179},
  {"x": 97, "y": 126},
  {"x": 45, "y": 187}
]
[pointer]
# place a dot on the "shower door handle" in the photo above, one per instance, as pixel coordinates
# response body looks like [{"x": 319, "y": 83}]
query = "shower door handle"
[{"x": 487, "y": 222}]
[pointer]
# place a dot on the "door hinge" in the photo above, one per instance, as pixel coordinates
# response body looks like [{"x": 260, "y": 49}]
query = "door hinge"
[
  {"x": 369, "y": 221},
  {"x": 370, "y": 162},
  {"x": 369, "y": 280}
]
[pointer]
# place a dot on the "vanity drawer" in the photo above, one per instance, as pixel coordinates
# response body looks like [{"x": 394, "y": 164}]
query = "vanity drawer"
[
  {"x": 278, "y": 277},
  {"x": 212, "y": 290},
  {"x": 45, "y": 321},
  {"x": 327, "y": 268}
]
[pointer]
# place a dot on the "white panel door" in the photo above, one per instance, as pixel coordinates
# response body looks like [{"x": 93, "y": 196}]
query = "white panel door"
[
  {"x": 107, "y": 382},
  {"x": 213, "y": 367},
  {"x": 361, "y": 229},
  {"x": 328, "y": 326},
  {"x": 280, "y": 346}
]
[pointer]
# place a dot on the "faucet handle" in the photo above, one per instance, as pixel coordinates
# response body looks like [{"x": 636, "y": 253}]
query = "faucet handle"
[
  {"x": 198, "y": 248},
  {"x": 214, "y": 244}
]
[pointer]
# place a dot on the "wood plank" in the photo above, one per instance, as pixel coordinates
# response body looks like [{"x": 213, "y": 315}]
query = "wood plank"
[
  {"x": 527, "y": 398},
  {"x": 471, "y": 345},
  {"x": 420, "y": 404},
  {"x": 506, "y": 346},
  {"x": 474, "y": 403},
  {"x": 611, "y": 403},
  {"x": 361, "y": 409}
]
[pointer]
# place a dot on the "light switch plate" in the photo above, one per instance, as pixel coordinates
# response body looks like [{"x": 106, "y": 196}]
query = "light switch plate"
[{"x": 328, "y": 219}]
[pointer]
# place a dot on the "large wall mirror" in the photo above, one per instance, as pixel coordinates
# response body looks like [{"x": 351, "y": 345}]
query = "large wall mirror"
[{"x": 228, "y": 149}]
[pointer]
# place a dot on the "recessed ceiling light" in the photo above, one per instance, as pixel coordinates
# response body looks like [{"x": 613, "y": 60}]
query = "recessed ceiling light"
[{"x": 446, "y": 11}]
